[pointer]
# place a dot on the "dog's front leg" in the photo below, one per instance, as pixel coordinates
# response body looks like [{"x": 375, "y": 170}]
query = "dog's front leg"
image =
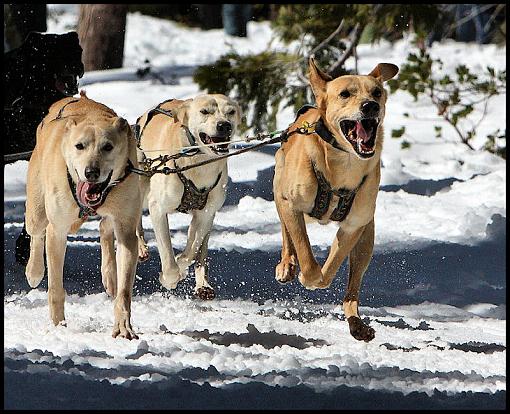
[
  {"x": 202, "y": 287},
  {"x": 127, "y": 259},
  {"x": 108, "y": 262},
  {"x": 286, "y": 270},
  {"x": 294, "y": 222},
  {"x": 56, "y": 243},
  {"x": 342, "y": 245},
  {"x": 170, "y": 275},
  {"x": 359, "y": 258},
  {"x": 199, "y": 229}
]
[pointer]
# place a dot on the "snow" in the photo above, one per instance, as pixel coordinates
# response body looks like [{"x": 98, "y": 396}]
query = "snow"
[{"x": 439, "y": 202}]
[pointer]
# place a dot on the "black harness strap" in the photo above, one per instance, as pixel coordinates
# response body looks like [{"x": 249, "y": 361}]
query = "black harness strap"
[
  {"x": 324, "y": 195},
  {"x": 192, "y": 197},
  {"x": 59, "y": 115},
  {"x": 138, "y": 131},
  {"x": 86, "y": 211},
  {"x": 320, "y": 129}
]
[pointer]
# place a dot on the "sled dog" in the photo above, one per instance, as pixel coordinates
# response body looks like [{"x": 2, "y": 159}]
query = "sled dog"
[
  {"x": 332, "y": 173},
  {"x": 208, "y": 122},
  {"x": 81, "y": 167}
]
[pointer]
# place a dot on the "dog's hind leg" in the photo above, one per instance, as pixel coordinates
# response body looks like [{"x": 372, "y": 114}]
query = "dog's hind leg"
[
  {"x": 287, "y": 268},
  {"x": 359, "y": 259},
  {"x": 170, "y": 275},
  {"x": 56, "y": 243},
  {"x": 108, "y": 262},
  {"x": 35, "y": 223},
  {"x": 143, "y": 249},
  {"x": 202, "y": 287}
]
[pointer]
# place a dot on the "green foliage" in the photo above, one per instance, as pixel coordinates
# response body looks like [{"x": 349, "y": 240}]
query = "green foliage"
[
  {"x": 397, "y": 133},
  {"x": 454, "y": 97},
  {"x": 405, "y": 144},
  {"x": 263, "y": 83},
  {"x": 495, "y": 145},
  {"x": 260, "y": 80},
  {"x": 385, "y": 20}
]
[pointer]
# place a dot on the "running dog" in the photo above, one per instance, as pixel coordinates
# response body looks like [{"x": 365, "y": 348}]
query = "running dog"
[
  {"x": 80, "y": 167},
  {"x": 329, "y": 169},
  {"x": 207, "y": 123}
]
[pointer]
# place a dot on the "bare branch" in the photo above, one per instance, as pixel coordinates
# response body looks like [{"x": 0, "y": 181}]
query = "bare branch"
[{"x": 335, "y": 70}]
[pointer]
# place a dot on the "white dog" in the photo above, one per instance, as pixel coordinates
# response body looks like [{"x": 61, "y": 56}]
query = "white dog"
[{"x": 206, "y": 119}]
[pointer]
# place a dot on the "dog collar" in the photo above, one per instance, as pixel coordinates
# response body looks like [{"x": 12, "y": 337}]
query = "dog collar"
[
  {"x": 320, "y": 128},
  {"x": 86, "y": 211}
]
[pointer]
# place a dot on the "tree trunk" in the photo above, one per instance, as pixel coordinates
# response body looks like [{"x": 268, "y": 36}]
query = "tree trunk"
[{"x": 101, "y": 29}]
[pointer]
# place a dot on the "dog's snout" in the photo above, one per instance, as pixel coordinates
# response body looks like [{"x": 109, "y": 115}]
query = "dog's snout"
[
  {"x": 224, "y": 127},
  {"x": 370, "y": 108},
  {"x": 92, "y": 173}
]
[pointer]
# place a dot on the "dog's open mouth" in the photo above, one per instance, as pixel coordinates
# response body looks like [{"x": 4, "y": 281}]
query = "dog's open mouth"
[
  {"x": 222, "y": 142},
  {"x": 91, "y": 194},
  {"x": 361, "y": 135}
]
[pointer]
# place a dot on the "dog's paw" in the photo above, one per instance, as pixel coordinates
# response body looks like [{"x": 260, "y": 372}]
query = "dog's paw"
[
  {"x": 123, "y": 329},
  {"x": 143, "y": 255},
  {"x": 285, "y": 271},
  {"x": 169, "y": 281},
  {"x": 359, "y": 330},
  {"x": 205, "y": 293},
  {"x": 183, "y": 263},
  {"x": 110, "y": 284},
  {"x": 312, "y": 279}
]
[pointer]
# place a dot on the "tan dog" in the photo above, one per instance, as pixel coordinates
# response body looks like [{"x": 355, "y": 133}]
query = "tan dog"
[
  {"x": 79, "y": 167},
  {"x": 333, "y": 174},
  {"x": 205, "y": 120}
]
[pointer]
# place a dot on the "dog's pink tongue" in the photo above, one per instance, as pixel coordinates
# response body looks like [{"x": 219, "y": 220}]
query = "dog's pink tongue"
[
  {"x": 360, "y": 132},
  {"x": 82, "y": 189}
]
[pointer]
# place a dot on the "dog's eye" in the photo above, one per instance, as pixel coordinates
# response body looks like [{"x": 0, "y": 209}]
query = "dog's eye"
[
  {"x": 377, "y": 93},
  {"x": 345, "y": 94},
  {"x": 79, "y": 146},
  {"x": 108, "y": 147},
  {"x": 231, "y": 112},
  {"x": 204, "y": 111}
]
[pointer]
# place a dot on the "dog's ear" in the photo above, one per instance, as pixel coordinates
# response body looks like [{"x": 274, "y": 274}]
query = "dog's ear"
[
  {"x": 121, "y": 125},
  {"x": 181, "y": 112},
  {"x": 318, "y": 81},
  {"x": 384, "y": 71}
]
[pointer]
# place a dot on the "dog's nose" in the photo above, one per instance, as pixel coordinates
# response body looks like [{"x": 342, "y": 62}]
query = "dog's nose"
[
  {"x": 370, "y": 108},
  {"x": 92, "y": 173},
  {"x": 224, "y": 127}
]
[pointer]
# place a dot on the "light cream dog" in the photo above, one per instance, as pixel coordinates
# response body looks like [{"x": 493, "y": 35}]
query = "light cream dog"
[
  {"x": 208, "y": 121},
  {"x": 80, "y": 167},
  {"x": 333, "y": 174}
]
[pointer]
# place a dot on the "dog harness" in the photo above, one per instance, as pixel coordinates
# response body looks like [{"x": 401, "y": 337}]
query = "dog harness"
[
  {"x": 324, "y": 195},
  {"x": 138, "y": 131},
  {"x": 193, "y": 198},
  {"x": 86, "y": 211},
  {"x": 324, "y": 190}
]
